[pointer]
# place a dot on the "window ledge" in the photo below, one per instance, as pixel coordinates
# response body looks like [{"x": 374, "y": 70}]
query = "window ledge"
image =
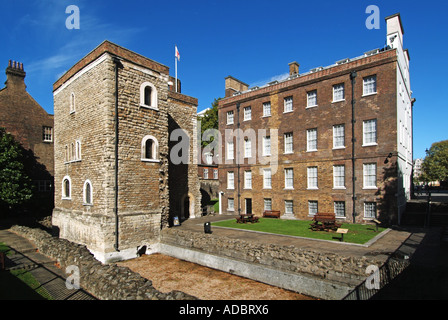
[
  {"x": 289, "y": 152},
  {"x": 339, "y": 148},
  {"x": 312, "y": 188},
  {"x": 267, "y": 116},
  {"x": 339, "y": 188},
  {"x": 149, "y": 107},
  {"x": 72, "y": 161},
  {"x": 370, "y": 144},
  {"x": 312, "y": 150},
  {"x": 368, "y": 94},
  {"x": 150, "y": 160},
  {"x": 65, "y": 198},
  {"x": 291, "y": 111},
  {"x": 310, "y": 107},
  {"x": 335, "y": 101},
  {"x": 290, "y": 188},
  {"x": 88, "y": 204},
  {"x": 369, "y": 188}
]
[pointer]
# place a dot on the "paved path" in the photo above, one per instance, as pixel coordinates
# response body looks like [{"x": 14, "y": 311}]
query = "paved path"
[{"x": 25, "y": 256}]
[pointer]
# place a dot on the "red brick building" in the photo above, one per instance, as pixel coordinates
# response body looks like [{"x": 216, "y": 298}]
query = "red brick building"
[
  {"x": 334, "y": 139},
  {"x": 29, "y": 123}
]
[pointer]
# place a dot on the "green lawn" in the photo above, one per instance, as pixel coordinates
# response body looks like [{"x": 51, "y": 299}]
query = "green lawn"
[
  {"x": 358, "y": 233},
  {"x": 20, "y": 284}
]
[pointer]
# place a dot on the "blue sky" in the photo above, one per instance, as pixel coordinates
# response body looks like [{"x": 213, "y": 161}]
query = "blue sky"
[{"x": 251, "y": 40}]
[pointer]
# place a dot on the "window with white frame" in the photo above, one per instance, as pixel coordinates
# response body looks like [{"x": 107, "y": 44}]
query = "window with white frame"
[
  {"x": 248, "y": 179},
  {"x": 338, "y": 92},
  {"x": 47, "y": 134},
  {"x": 369, "y": 132},
  {"x": 289, "y": 207},
  {"x": 87, "y": 192},
  {"x": 339, "y": 177},
  {"x": 267, "y": 204},
  {"x": 311, "y": 139},
  {"x": 247, "y": 148},
  {"x": 369, "y": 210},
  {"x": 230, "y": 180},
  {"x": 267, "y": 146},
  {"x": 288, "y": 142},
  {"x": 148, "y": 96},
  {"x": 312, "y": 207},
  {"x": 267, "y": 179},
  {"x": 339, "y": 209},
  {"x": 369, "y": 85},
  {"x": 247, "y": 113},
  {"x": 289, "y": 178},
  {"x": 312, "y": 99},
  {"x": 230, "y": 117},
  {"x": 66, "y": 188},
  {"x": 266, "y": 109},
  {"x": 149, "y": 148},
  {"x": 339, "y": 136},
  {"x": 287, "y": 104},
  {"x": 215, "y": 173},
  {"x": 369, "y": 175},
  {"x": 231, "y": 204},
  {"x": 312, "y": 177},
  {"x": 230, "y": 150},
  {"x": 205, "y": 173}
]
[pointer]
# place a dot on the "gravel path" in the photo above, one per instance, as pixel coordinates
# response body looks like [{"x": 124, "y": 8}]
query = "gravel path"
[{"x": 167, "y": 273}]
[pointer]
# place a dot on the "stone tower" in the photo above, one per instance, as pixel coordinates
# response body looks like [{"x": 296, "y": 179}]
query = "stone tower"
[{"x": 114, "y": 113}]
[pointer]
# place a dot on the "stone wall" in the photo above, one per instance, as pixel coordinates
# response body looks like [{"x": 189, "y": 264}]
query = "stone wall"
[
  {"x": 106, "y": 282},
  {"x": 326, "y": 266}
]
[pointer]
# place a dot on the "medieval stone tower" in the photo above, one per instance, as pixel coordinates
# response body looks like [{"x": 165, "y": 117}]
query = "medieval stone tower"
[{"x": 117, "y": 119}]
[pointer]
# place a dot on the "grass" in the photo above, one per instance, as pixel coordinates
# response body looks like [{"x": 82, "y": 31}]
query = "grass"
[
  {"x": 20, "y": 284},
  {"x": 357, "y": 233}
]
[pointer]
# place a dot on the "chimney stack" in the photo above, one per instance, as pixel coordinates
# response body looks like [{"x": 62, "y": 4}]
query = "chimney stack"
[
  {"x": 293, "y": 68},
  {"x": 234, "y": 85},
  {"x": 15, "y": 75}
]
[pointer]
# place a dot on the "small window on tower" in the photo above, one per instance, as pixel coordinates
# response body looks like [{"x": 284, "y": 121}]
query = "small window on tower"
[
  {"x": 150, "y": 148},
  {"x": 148, "y": 96}
]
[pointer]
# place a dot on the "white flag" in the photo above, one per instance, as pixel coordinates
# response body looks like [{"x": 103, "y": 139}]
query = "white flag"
[{"x": 177, "y": 55}]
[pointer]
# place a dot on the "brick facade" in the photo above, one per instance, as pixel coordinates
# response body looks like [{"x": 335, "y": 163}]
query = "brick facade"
[
  {"x": 387, "y": 191},
  {"x": 30, "y": 125},
  {"x": 85, "y": 146}
]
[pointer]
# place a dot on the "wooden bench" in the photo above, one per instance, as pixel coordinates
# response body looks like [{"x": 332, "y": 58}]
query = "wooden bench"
[
  {"x": 271, "y": 214},
  {"x": 324, "y": 222},
  {"x": 244, "y": 218}
]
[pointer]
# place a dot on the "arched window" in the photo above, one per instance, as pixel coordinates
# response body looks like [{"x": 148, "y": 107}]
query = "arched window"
[
  {"x": 66, "y": 188},
  {"x": 150, "y": 148},
  {"x": 148, "y": 96},
  {"x": 148, "y": 91},
  {"x": 88, "y": 192}
]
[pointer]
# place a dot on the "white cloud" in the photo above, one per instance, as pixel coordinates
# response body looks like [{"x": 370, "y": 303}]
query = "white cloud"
[{"x": 279, "y": 77}]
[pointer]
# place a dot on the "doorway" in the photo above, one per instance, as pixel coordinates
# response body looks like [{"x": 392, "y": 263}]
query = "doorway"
[{"x": 248, "y": 206}]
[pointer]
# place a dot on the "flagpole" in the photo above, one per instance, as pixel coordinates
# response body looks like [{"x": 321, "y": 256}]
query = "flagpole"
[{"x": 175, "y": 60}]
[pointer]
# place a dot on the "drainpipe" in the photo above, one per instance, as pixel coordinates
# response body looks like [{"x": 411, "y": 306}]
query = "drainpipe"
[
  {"x": 118, "y": 65},
  {"x": 353, "y": 80},
  {"x": 238, "y": 154}
]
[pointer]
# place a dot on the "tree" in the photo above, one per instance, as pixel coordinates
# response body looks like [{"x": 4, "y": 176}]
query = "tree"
[
  {"x": 435, "y": 164},
  {"x": 16, "y": 187},
  {"x": 210, "y": 120}
]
